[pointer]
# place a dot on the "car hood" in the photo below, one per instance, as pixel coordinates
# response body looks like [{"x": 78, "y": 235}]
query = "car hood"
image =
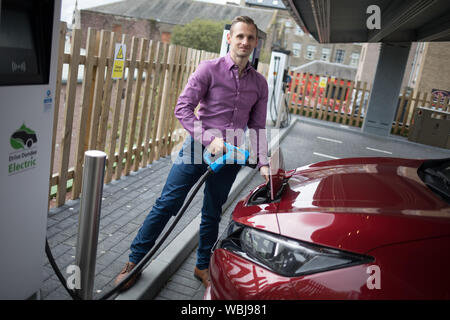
[{"x": 358, "y": 204}]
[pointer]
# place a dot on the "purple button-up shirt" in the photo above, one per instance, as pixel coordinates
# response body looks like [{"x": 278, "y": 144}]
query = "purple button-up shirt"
[{"x": 228, "y": 105}]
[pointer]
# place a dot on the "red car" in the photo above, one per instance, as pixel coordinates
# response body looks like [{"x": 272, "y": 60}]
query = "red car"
[{"x": 356, "y": 228}]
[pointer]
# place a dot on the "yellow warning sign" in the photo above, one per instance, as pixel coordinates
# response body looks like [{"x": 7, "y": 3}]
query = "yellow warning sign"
[
  {"x": 323, "y": 82},
  {"x": 119, "y": 60},
  {"x": 120, "y": 53}
]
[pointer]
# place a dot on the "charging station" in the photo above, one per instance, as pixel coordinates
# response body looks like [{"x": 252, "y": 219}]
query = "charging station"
[
  {"x": 28, "y": 50},
  {"x": 278, "y": 75}
]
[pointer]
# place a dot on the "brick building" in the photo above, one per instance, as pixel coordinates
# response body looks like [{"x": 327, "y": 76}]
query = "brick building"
[
  {"x": 155, "y": 19},
  {"x": 427, "y": 67},
  {"x": 434, "y": 68},
  {"x": 304, "y": 48}
]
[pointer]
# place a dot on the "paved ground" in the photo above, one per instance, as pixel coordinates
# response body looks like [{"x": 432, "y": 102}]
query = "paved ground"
[
  {"x": 182, "y": 285},
  {"x": 306, "y": 143},
  {"x": 125, "y": 205},
  {"x": 127, "y": 201}
]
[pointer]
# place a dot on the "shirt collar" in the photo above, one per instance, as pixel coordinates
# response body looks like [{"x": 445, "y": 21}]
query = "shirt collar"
[{"x": 230, "y": 63}]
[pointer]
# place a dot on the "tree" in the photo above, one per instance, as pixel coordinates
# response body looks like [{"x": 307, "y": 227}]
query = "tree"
[{"x": 199, "y": 34}]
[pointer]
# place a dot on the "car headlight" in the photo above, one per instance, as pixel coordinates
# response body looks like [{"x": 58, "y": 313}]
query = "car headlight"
[{"x": 285, "y": 256}]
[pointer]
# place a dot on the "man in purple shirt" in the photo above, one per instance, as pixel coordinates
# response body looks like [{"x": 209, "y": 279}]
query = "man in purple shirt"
[{"x": 232, "y": 97}]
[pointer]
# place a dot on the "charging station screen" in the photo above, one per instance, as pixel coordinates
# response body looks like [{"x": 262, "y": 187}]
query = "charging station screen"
[
  {"x": 15, "y": 30},
  {"x": 25, "y": 41}
]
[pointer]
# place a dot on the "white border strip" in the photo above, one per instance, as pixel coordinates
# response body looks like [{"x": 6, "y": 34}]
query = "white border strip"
[
  {"x": 330, "y": 140},
  {"x": 378, "y": 150},
  {"x": 324, "y": 155}
]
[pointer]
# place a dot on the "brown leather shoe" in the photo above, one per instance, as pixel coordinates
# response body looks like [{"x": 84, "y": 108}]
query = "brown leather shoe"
[
  {"x": 124, "y": 273},
  {"x": 202, "y": 275}
]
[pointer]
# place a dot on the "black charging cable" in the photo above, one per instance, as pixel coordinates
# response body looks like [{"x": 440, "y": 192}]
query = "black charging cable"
[
  {"x": 273, "y": 100},
  {"x": 138, "y": 268},
  {"x": 284, "y": 123}
]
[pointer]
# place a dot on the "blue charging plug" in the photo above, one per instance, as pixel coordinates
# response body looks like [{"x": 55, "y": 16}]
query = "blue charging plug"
[{"x": 234, "y": 155}]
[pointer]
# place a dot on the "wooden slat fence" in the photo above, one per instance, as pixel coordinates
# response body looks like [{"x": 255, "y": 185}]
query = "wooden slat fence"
[
  {"x": 345, "y": 101},
  {"x": 131, "y": 119}
]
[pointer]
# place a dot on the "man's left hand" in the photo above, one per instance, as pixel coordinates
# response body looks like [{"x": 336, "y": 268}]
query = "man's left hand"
[{"x": 264, "y": 171}]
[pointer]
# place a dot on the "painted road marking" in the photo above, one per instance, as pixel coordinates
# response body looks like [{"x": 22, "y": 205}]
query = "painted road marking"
[
  {"x": 330, "y": 140},
  {"x": 378, "y": 150},
  {"x": 324, "y": 155}
]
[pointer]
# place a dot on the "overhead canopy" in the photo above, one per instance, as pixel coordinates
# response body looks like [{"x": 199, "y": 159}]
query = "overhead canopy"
[{"x": 341, "y": 21}]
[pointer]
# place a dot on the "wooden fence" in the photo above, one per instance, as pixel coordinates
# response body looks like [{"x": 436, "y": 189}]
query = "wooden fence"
[
  {"x": 131, "y": 118},
  {"x": 345, "y": 101}
]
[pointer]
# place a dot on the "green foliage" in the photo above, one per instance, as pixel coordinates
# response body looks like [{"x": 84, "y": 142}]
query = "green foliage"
[{"x": 199, "y": 34}]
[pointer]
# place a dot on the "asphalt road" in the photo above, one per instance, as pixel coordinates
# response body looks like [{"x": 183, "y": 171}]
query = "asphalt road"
[{"x": 309, "y": 143}]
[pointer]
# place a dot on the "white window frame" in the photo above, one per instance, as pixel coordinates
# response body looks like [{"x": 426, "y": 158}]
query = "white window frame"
[
  {"x": 355, "y": 59},
  {"x": 342, "y": 56},
  {"x": 296, "y": 49},
  {"x": 310, "y": 52},
  {"x": 325, "y": 55},
  {"x": 299, "y": 31}
]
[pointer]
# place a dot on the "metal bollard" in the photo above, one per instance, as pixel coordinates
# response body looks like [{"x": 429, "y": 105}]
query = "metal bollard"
[{"x": 89, "y": 219}]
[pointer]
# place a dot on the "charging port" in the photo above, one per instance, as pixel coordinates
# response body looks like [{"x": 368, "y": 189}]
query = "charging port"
[{"x": 260, "y": 196}]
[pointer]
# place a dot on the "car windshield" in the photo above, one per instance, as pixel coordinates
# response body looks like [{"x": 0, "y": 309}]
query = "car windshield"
[{"x": 436, "y": 175}]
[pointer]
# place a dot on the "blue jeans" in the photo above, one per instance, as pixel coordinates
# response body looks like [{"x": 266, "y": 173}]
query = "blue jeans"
[{"x": 185, "y": 172}]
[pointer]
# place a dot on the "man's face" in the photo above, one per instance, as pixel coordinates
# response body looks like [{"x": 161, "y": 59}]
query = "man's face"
[{"x": 242, "y": 39}]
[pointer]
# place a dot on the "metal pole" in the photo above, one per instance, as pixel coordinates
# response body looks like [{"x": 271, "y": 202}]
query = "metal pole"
[{"x": 89, "y": 219}]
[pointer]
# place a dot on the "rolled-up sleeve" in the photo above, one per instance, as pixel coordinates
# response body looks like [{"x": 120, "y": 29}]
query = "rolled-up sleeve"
[
  {"x": 195, "y": 90},
  {"x": 257, "y": 124}
]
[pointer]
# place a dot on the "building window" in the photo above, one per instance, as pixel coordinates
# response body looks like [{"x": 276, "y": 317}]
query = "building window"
[
  {"x": 355, "y": 59},
  {"x": 340, "y": 54},
  {"x": 299, "y": 31},
  {"x": 325, "y": 54},
  {"x": 296, "y": 49},
  {"x": 288, "y": 24},
  {"x": 310, "y": 52}
]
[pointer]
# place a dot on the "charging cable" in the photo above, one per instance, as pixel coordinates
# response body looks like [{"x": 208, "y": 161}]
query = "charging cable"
[{"x": 233, "y": 155}]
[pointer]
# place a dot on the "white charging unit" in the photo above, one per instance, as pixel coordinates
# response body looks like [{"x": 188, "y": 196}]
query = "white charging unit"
[
  {"x": 28, "y": 60},
  {"x": 279, "y": 62}
]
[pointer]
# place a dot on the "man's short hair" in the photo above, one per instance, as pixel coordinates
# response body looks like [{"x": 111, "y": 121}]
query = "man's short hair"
[{"x": 244, "y": 19}]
